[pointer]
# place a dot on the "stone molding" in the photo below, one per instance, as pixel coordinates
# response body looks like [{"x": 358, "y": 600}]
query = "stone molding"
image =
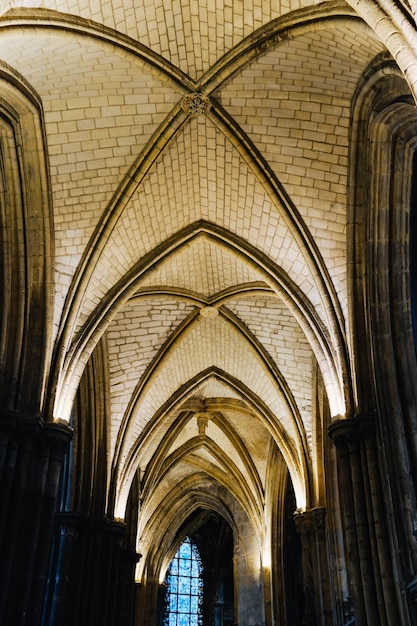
[
  {"x": 346, "y": 431},
  {"x": 312, "y": 519}
]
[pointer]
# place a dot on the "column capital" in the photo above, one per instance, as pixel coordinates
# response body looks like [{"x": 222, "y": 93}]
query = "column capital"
[
  {"x": 319, "y": 516},
  {"x": 59, "y": 433},
  {"x": 343, "y": 432},
  {"x": 35, "y": 427},
  {"x": 312, "y": 519}
]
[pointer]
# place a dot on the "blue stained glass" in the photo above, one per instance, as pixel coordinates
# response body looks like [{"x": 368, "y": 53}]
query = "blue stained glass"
[
  {"x": 183, "y": 584},
  {"x": 185, "y": 588},
  {"x": 185, "y": 551},
  {"x": 183, "y": 604},
  {"x": 173, "y": 603},
  {"x": 194, "y": 605}
]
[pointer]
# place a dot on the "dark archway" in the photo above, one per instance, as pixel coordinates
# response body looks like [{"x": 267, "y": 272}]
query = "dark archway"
[
  {"x": 298, "y": 607},
  {"x": 413, "y": 249},
  {"x": 213, "y": 537},
  {"x": 91, "y": 569},
  {"x": 382, "y": 192}
]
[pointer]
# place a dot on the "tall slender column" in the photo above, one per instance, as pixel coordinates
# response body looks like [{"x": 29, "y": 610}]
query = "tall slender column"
[
  {"x": 31, "y": 459},
  {"x": 368, "y": 545},
  {"x": 304, "y": 524},
  {"x": 311, "y": 526},
  {"x": 386, "y": 586},
  {"x": 343, "y": 432},
  {"x": 325, "y": 588},
  {"x": 92, "y": 573}
]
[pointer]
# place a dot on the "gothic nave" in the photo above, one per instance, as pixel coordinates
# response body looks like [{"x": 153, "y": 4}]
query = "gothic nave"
[{"x": 208, "y": 281}]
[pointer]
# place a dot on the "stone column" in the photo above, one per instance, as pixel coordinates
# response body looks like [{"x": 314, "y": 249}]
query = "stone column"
[
  {"x": 343, "y": 432},
  {"x": 318, "y": 603},
  {"x": 366, "y": 534},
  {"x": 92, "y": 573},
  {"x": 324, "y": 593},
  {"x": 304, "y": 525},
  {"x": 127, "y": 586},
  {"x": 248, "y": 576},
  {"x": 31, "y": 458},
  {"x": 387, "y": 585}
]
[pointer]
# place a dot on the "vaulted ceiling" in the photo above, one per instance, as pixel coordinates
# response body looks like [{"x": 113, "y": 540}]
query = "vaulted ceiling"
[{"x": 198, "y": 168}]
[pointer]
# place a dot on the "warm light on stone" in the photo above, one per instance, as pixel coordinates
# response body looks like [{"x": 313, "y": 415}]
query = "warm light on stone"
[
  {"x": 209, "y": 312},
  {"x": 196, "y": 104},
  {"x": 208, "y": 278}
]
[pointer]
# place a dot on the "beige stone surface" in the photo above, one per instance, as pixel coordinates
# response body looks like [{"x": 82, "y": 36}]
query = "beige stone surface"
[{"x": 240, "y": 214}]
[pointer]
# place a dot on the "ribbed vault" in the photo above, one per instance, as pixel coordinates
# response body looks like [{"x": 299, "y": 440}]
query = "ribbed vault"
[{"x": 203, "y": 250}]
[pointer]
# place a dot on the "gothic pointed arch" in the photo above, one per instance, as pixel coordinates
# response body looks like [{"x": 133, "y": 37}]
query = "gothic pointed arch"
[
  {"x": 26, "y": 249},
  {"x": 330, "y": 357},
  {"x": 382, "y": 197}
]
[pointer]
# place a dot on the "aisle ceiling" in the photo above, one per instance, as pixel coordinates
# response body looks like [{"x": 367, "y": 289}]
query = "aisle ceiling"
[{"x": 198, "y": 156}]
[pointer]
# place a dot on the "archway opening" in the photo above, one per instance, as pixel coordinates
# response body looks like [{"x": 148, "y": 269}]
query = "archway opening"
[
  {"x": 199, "y": 584},
  {"x": 184, "y": 583}
]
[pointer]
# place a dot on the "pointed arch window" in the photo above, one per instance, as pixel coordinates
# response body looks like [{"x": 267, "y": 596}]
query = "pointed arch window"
[{"x": 184, "y": 582}]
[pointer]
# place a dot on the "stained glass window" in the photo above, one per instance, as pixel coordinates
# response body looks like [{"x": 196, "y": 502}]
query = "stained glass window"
[{"x": 184, "y": 587}]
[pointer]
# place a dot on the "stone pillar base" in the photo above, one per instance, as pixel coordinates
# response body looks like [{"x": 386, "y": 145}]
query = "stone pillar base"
[{"x": 31, "y": 458}]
